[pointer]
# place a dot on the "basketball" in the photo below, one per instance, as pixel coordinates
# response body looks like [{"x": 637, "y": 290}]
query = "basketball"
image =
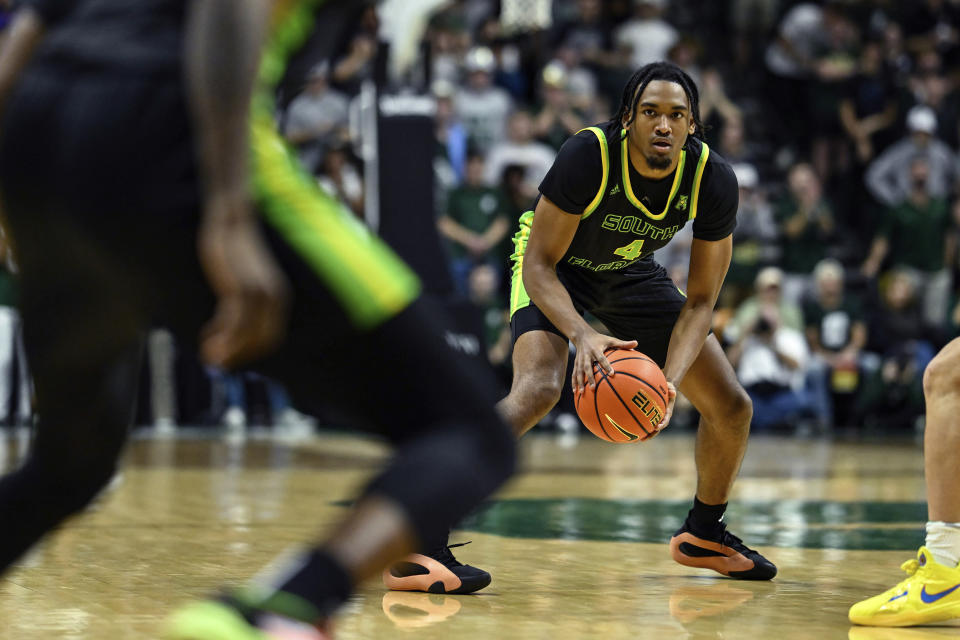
[{"x": 628, "y": 406}]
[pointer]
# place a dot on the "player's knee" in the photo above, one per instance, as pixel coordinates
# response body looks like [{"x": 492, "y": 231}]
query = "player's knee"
[
  {"x": 737, "y": 411},
  {"x": 942, "y": 375},
  {"x": 543, "y": 394}
]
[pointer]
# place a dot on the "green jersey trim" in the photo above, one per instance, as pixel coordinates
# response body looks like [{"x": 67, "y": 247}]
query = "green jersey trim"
[
  {"x": 370, "y": 282},
  {"x": 518, "y": 293},
  {"x": 628, "y": 189},
  {"x": 704, "y": 154},
  {"x": 604, "y": 158}
]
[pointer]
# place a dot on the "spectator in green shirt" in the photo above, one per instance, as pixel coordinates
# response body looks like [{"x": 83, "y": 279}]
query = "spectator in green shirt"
[
  {"x": 808, "y": 229},
  {"x": 474, "y": 225},
  {"x": 913, "y": 236}
]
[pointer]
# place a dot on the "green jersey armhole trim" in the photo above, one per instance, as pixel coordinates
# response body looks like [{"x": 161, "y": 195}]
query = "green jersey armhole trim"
[
  {"x": 628, "y": 188},
  {"x": 701, "y": 165},
  {"x": 604, "y": 151}
]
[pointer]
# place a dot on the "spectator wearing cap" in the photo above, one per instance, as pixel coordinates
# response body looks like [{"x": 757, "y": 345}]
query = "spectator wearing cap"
[
  {"x": 316, "y": 116},
  {"x": 768, "y": 350},
  {"x": 889, "y": 178},
  {"x": 557, "y": 119},
  {"x": 481, "y": 106},
  {"x": 647, "y": 37},
  {"x": 768, "y": 292}
]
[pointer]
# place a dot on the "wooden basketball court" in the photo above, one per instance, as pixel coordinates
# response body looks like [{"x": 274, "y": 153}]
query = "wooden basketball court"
[{"x": 576, "y": 543}]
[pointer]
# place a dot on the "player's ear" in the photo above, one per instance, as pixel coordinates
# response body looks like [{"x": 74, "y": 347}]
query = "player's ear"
[{"x": 693, "y": 128}]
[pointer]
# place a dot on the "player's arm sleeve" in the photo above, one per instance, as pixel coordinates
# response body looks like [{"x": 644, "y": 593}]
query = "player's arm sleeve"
[
  {"x": 576, "y": 174},
  {"x": 719, "y": 199}
]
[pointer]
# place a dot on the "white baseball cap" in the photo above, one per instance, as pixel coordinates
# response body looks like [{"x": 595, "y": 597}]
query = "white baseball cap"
[
  {"x": 922, "y": 118},
  {"x": 747, "y": 176}
]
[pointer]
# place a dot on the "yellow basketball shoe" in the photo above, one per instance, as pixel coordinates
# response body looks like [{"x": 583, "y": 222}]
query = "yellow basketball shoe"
[{"x": 929, "y": 596}]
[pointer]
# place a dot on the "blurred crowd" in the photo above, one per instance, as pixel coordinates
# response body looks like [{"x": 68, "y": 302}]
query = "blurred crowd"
[{"x": 841, "y": 119}]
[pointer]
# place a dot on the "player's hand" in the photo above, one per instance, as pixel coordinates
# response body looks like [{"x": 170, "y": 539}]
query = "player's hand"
[
  {"x": 590, "y": 348},
  {"x": 252, "y": 293},
  {"x": 668, "y": 413}
]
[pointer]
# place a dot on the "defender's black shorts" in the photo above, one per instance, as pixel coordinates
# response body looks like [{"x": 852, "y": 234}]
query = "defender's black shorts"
[{"x": 641, "y": 303}]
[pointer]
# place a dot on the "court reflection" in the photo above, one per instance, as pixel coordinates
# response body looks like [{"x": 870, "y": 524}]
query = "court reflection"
[
  {"x": 703, "y": 600},
  {"x": 412, "y": 610}
]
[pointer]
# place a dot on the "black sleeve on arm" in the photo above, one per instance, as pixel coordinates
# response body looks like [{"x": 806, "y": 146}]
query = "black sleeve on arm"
[
  {"x": 574, "y": 179},
  {"x": 719, "y": 199},
  {"x": 50, "y": 11}
]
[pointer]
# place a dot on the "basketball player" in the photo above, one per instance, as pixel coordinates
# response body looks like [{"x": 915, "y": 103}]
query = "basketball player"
[
  {"x": 124, "y": 179},
  {"x": 930, "y": 595},
  {"x": 615, "y": 193}
]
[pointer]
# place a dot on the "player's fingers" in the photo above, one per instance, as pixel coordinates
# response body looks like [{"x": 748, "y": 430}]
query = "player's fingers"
[
  {"x": 575, "y": 378},
  {"x": 605, "y": 364},
  {"x": 625, "y": 344},
  {"x": 584, "y": 372}
]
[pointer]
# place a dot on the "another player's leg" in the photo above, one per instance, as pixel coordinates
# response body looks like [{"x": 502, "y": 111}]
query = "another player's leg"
[
  {"x": 725, "y": 411},
  {"x": 437, "y": 408},
  {"x": 931, "y": 592},
  {"x": 358, "y": 339},
  {"x": 81, "y": 323},
  {"x": 539, "y": 366}
]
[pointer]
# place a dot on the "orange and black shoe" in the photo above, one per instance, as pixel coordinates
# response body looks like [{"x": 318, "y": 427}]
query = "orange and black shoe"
[
  {"x": 723, "y": 552},
  {"x": 436, "y": 572}
]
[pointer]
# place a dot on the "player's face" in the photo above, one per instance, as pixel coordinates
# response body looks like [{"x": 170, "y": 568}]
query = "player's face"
[{"x": 662, "y": 124}]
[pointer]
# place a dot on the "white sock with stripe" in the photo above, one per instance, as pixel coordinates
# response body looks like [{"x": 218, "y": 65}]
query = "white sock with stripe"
[{"x": 943, "y": 541}]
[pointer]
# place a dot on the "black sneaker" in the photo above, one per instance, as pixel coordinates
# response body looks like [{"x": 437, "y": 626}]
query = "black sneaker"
[
  {"x": 723, "y": 552},
  {"x": 435, "y": 572}
]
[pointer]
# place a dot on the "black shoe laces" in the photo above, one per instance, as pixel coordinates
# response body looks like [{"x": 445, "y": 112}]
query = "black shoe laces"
[
  {"x": 732, "y": 541},
  {"x": 445, "y": 557}
]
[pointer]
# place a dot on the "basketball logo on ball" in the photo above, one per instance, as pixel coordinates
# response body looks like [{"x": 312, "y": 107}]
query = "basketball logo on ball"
[{"x": 628, "y": 406}]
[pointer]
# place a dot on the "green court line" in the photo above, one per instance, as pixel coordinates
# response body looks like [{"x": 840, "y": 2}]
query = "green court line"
[{"x": 783, "y": 523}]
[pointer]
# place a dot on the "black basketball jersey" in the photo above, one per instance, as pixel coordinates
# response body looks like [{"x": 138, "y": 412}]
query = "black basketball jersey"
[{"x": 617, "y": 229}]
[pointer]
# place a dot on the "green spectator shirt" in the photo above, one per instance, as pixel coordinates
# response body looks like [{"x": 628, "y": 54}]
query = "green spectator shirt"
[
  {"x": 916, "y": 235},
  {"x": 834, "y": 327},
  {"x": 474, "y": 208}
]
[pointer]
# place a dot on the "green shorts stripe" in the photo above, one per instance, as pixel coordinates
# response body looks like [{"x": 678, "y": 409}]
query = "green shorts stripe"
[
  {"x": 518, "y": 294},
  {"x": 370, "y": 281}
]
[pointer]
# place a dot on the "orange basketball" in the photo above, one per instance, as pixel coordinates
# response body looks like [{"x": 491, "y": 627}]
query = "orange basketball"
[{"x": 628, "y": 406}]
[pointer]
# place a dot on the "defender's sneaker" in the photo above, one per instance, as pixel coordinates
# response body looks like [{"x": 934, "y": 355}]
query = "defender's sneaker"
[
  {"x": 723, "y": 552},
  {"x": 231, "y": 619},
  {"x": 929, "y": 596},
  {"x": 436, "y": 572}
]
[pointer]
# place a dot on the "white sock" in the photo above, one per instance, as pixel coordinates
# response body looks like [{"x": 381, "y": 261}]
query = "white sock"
[{"x": 943, "y": 541}]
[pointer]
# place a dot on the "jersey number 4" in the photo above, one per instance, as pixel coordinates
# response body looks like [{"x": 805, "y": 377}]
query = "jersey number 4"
[{"x": 630, "y": 251}]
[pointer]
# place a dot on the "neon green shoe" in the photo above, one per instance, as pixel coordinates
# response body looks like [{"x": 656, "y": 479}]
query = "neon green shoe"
[
  {"x": 929, "y": 596},
  {"x": 219, "y": 620}
]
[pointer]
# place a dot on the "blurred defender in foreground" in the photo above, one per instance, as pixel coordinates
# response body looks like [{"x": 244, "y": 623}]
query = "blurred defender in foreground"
[{"x": 125, "y": 180}]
